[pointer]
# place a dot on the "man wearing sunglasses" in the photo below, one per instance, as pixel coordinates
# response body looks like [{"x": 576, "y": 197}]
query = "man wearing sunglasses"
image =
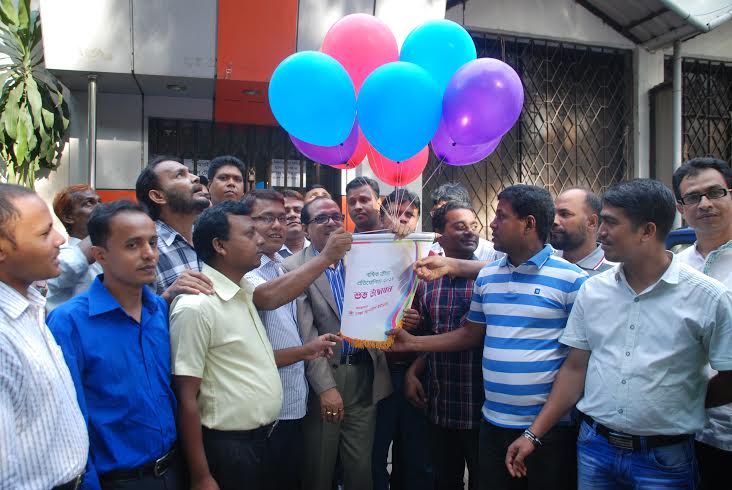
[
  {"x": 340, "y": 419},
  {"x": 702, "y": 191}
]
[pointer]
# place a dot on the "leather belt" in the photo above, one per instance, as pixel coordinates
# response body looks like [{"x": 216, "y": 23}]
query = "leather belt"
[
  {"x": 155, "y": 468},
  {"x": 74, "y": 484},
  {"x": 629, "y": 441},
  {"x": 260, "y": 433}
]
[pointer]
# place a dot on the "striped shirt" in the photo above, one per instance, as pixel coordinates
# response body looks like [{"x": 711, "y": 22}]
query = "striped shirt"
[
  {"x": 283, "y": 333},
  {"x": 43, "y": 437},
  {"x": 525, "y": 310},
  {"x": 176, "y": 255}
]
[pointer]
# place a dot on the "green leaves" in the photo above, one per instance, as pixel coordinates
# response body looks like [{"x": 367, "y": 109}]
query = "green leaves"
[{"x": 33, "y": 112}]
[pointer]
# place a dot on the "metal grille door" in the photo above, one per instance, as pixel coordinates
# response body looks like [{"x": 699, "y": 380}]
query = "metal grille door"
[{"x": 574, "y": 129}]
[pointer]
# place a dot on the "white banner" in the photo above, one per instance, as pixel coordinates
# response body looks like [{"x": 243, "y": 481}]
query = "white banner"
[{"x": 379, "y": 285}]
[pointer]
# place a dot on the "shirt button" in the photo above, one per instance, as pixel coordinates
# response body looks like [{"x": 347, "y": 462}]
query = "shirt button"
[
  {"x": 636, "y": 299},
  {"x": 627, "y": 354},
  {"x": 623, "y": 381},
  {"x": 632, "y": 327},
  {"x": 620, "y": 410}
]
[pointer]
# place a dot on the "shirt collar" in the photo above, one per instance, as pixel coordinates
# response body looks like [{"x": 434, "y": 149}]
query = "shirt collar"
[
  {"x": 103, "y": 301},
  {"x": 225, "y": 288},
  {"x": 669, "y": 276},
  {"x": 538, "y": 260},
  {"x": 73, "y": 241},
  {"x": 166, "y": 233},
  {"x": 14, "y": 304},
  {"x": 592, "y": 260}
]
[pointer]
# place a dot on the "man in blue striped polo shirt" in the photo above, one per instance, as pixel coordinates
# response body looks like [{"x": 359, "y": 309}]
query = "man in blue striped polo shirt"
[{"x": 519, "y": 309}]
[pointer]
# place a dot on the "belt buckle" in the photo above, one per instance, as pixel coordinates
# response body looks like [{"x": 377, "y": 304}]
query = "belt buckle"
[
  {"x": 623, "y": 441},
  {"x": 158, "y": 469}
]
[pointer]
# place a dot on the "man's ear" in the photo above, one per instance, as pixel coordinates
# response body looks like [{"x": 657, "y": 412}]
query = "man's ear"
[
  {"x": 99, "y": 254},
  {"x": 649, "y": 231},
  {"x": 67, "y": 220},
  {"x": 5, "y": 246},
  {"x": 530, "y": 223},
  {"x": 157, "y": 196},
  {"x": 680, "y": 209},
  {"x": 218, "y": 246},
  {"x": 593, "y": 221}
]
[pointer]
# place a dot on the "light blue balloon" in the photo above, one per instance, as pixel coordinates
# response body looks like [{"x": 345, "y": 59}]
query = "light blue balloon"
[
  {"x": 440, "y": 47},
  {"x": 312, "y": 97},
  {"x": 399, "y": 109}
]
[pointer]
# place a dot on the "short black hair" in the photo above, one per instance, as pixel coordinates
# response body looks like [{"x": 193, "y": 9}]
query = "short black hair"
[
  {"x": 292, "y": 194},
  {"x": 644, "y": 201},
  {"x": 98, "y": 224},
  {"x": 305, "y": 213},
  {"x": 223, "y": 161},
  {"x": 450, "y": 191},
  {"x": 692, "y": 167},
  {"x": 214, "y": 223},
  {"x": 148, "y": 181},
  {"x": 439, "y": 218},
  {"x": 398, "y": 197},
  {"x": 9, "y": 214},
  {"x": 530, "y": 200},
  {"x": 252, "y": 196},
  {"x": 362, "y": 181}
]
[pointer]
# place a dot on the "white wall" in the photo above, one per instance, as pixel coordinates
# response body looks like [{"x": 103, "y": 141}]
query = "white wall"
[
  {"x": 647, "y": 73},
  {"x": 716, "y": 44}
]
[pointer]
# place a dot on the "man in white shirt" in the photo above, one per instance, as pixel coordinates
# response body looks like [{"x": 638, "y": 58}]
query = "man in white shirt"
[
  {"x": 640, "y": 335},
  {"x": 43, "y": 438},
  {"x": 73, "y": 206},
  {"x": 701, "y": 188}
]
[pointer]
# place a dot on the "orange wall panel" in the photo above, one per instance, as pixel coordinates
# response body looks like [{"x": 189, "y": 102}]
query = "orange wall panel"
[{"x": 109, "y": 195}]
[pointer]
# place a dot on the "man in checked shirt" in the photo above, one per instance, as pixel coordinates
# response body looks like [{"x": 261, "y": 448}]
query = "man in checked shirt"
[{"x": 454, "y": 394}]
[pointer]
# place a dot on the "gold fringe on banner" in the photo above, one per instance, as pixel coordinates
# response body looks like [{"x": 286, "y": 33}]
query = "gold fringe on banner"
[{"x": 369, "y": 344}]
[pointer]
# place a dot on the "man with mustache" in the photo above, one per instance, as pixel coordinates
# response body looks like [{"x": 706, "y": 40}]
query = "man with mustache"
[
  {"x": 115, "y": 340},
  {"x": 226, "y": 179},
  {"x": 519, "y": 308},
  {"x": 362, "y": 197},
  {"x": 174, "y": 197},
  {"x": 43, "y": 439},
  {"x": 295, "y": 238},
  {"x": 346, "y": 389},
  {"x": 574, "y": 233},
  {"x": 640, "y": 335},
  {"x": 454, "y": 390},
  {"x": 702, "y": 190}
]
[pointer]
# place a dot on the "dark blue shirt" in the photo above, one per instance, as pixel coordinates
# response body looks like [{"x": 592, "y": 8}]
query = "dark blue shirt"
[{"x": 121, "y": 370}]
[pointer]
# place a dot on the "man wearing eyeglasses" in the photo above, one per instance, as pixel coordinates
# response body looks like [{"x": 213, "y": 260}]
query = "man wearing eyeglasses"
[
  {"x": 286, "y": 443},
  {"x": 702, "y": 191},
  {"x": 340, "y": 419}
]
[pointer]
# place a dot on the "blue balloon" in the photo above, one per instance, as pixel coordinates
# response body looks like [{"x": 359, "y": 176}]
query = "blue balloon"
[
  {"x": 312, "y": 97},
  {"x": 399, "y": 109},
  {"x": 440, "y": 47}
]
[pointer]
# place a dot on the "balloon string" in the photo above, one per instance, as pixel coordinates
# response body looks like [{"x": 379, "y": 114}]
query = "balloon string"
[{"x": 438, "y": 167}]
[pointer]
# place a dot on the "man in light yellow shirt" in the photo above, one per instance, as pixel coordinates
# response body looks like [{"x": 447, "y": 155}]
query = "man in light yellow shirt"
[{"x": 228, "y": 387}]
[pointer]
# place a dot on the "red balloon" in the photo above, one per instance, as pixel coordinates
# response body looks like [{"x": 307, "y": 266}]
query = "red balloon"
[
  {"x": 361, "y": 43},
  {"x": 346, "y": 166},
  {"x": 360, "y": 152},
  {"x": 397, "y": 173}
]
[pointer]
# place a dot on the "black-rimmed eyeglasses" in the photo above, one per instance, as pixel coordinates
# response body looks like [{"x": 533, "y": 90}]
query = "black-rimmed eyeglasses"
[
  {"x": 268, "y": 219},
  {"x": 696, "y": 197},
  {"x": 324, "y": 218}
]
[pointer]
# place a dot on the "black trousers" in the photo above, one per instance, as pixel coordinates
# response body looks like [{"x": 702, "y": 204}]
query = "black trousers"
[
  {"x": 176, "y": 478},
  {"x": 451, "y": 450},
  {"x": 237, "y": 461},
  {"x": 552, "y": 466},
  {"x": 714, "y": 465},
  {"x": 286, "y": 447}
]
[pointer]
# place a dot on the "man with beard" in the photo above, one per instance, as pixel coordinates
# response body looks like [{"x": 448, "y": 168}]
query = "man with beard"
[
  {"x": 454, "y": 394},
  {"x": 340, "y": 419},
  {"x": 576, "y": 219},
  {"x": 640, "y": 335},
  {"x": 702, "y": 190},
  {"x": 519, "y": 308},
  {"x": 226, "y": 179},
  {"x": 295, "y": 238},
  {"x": 72, "y": 206},
  {"x": 174, "y": 198},
  {"x": 362, "y": 198},
  {"x": 43, "y": 439},
  {"x": 115, "y": 340}
]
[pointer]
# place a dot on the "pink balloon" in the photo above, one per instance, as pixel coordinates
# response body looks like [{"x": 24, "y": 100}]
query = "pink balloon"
[
  {"x": 360, "y": 153},
  {"x": 452, "y": 153},
  {"x": 398, "y": 173},
  {"x": 361, "y": 43}
]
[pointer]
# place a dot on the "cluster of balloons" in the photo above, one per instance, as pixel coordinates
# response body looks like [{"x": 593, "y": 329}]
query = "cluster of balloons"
[{"x": 359, "y": 96}]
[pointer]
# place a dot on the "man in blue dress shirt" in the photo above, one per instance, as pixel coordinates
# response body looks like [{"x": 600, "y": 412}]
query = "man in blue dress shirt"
[{"x": 115, "y": 340}]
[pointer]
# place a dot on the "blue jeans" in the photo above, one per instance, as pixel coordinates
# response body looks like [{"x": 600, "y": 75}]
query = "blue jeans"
[{"x": 602, "y": 466}]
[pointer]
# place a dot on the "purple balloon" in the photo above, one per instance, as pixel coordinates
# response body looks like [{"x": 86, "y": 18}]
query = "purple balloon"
[
  {"x": 452, "y": 153},
  {"x": 329, "y": 155},
  {"x": 482, "y": 101}
]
